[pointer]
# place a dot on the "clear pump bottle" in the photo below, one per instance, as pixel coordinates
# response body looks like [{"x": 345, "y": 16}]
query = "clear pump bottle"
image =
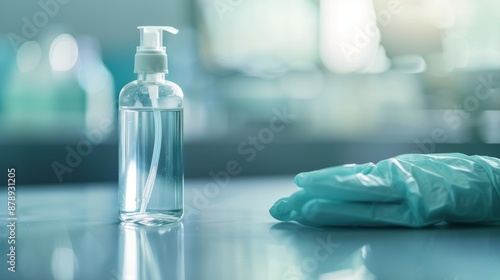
[{"x": 151, "y": 167}]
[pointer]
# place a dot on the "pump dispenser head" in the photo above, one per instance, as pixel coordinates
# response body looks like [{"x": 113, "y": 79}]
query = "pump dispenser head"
[{"x": 151, "y": 55}]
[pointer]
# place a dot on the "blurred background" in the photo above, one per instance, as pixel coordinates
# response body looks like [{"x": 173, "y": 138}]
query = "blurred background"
[{"x": 279, "y": 86}]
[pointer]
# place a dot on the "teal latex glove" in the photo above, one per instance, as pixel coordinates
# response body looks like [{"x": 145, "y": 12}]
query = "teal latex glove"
[{"x": 409, "y": 190}]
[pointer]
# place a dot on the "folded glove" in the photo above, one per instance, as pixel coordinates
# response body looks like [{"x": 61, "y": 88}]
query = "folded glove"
[{"x": 409, "y": 190}]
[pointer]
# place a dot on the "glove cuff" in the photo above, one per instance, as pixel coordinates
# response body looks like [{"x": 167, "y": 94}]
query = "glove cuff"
[{"x": 492, "y": 166}]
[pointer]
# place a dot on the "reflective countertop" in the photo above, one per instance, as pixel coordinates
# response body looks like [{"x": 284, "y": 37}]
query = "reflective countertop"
[{"x": 72, "y": 232}]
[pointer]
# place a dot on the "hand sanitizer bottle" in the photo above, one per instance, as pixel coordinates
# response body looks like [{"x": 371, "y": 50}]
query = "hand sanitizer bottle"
[{"x": 151, "y": 167}]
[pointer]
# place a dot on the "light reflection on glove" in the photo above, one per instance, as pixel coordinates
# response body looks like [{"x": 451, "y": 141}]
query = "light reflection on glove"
[{"x": 409, "y": 190}]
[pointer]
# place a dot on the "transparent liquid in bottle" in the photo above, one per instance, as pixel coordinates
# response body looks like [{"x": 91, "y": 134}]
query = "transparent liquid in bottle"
[{"x": 137, "y": 136}]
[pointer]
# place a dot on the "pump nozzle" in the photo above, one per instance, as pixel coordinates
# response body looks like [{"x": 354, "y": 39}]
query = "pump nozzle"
[
  {"x": 151, "y": 37},
  {"x": 151, "y": 55}
]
